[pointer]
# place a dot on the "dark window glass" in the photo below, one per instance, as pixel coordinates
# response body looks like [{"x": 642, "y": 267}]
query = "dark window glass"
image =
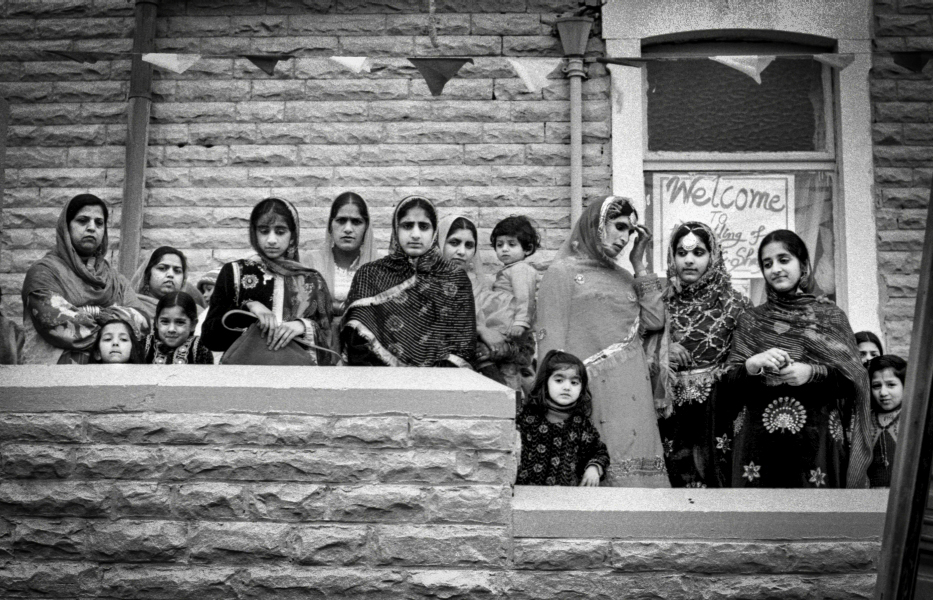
[{"x": 702, "y": 105}]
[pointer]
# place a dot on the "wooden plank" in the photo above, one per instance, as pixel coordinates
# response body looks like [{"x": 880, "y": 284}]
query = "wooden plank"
[{"x": 910, "y": 484}]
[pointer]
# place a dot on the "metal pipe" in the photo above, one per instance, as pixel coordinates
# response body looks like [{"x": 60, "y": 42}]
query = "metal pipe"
[
  {"x": 137, "y": 136},
  {"x": 576, "y": 72}
]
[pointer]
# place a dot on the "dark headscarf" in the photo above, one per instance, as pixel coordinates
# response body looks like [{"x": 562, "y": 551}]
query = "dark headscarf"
[{"x": 413, "y": 311}]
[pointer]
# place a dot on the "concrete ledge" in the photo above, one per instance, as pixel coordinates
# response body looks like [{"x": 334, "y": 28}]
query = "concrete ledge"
[
  {"x": 630, "y": 513},
  {"x": 221, "y": 388}
]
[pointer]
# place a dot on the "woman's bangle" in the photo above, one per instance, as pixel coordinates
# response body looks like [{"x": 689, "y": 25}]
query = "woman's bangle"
[
  {"x": 641, "y": 273},
  {"x": 755, "y": 373}
]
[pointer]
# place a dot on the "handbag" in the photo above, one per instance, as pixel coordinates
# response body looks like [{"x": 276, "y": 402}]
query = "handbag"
[{"x": 251, "y": 349}]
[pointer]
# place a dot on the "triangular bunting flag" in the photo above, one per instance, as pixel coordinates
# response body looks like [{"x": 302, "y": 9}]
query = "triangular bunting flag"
[
  {"x": 438, "y": 71},
  {"x": 836, "y": 61},
  {"x": 176, "y": 63},
  {"x": 618, "y": 87},
  {"x": 266, "y": 62},
  {"x": 912, "y": 61},
  {"x": 354, "y": 63},
  {"x": 81, "y": 57},
  {"x": 534, "y": 71},
  {"x": 750, "y": 65}
]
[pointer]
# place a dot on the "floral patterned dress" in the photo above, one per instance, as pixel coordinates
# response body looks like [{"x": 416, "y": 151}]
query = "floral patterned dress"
[
  {"x": 192, "y": 352},
  {"x": 558, "y": 453}
]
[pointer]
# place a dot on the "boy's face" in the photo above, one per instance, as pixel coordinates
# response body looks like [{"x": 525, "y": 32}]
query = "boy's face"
[
  {"x": 887, "y": 391},
  {"x": 509, "y": 250},
  {"x": 206, "y": 290}
]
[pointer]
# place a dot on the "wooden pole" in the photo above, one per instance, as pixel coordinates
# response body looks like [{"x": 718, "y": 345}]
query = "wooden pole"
[
  {"x": 137, "y": 137},
  {"x": 900, "y": 549},
  {"x": 4, "y": 125}
]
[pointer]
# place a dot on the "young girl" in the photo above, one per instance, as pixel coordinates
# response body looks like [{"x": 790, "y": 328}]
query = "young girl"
[
  {"x": 116, "y": 344},
  {"x": 887, "y": 374},
  {"x": 172, "y": 340},
  {"x": 560, "y": 446},
  {"x": 793, "y": 384},
  {"x": 511, "y": 310},
  {"x": 289, "y": 300}
]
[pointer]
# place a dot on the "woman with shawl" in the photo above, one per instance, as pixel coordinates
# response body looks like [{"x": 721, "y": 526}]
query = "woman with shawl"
[
  {"x": 591, "y": 307},
  {"x": 165, "y": 272},
  {"x": 458, "y": 240},
  {"x": 411, "y": 308},
  {"x": 702, "y": 310},
  {"x": 348, "y": 245},
  {"x": 794, "y": 381},
  {"x": 72, "y": 290},
  {"x": 290, "y": 300}
]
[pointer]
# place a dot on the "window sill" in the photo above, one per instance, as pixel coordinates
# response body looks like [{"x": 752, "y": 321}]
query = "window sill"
[{"x": 747, "y": 514}]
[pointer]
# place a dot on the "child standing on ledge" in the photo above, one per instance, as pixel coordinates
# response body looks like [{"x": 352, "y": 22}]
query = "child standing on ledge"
[
  {"x": 511, "y": 307},
  {"x": 560, "y": 446}
]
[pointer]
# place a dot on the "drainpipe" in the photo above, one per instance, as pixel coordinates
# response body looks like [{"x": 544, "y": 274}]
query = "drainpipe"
[
  {"x": 574, "y": 33},
  {"x": 137, "y": 136}
]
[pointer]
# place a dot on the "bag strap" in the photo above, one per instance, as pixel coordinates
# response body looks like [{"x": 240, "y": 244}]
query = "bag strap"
[
  {"x": 236, "y": 311},
  {"x": 236, "y": 283}
]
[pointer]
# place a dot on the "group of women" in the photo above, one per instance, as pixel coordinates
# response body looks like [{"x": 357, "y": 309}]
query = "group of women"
[{"x": 691, "y": 386}]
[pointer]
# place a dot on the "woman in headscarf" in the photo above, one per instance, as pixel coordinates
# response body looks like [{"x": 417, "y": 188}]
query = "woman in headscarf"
[
  {"x": 290, "y": 300},
  {"x": 591, "y": 307},
  {"x": 794, "y": 383},
  {"x": 348, "y": 245},
  {"x": 72, "y": 290},
  {"x": 411, "y": 308},
  {"x": 458, "y": 241},
  {"x": 702, "y": 310},
  {"x": 165, "y": 272}
]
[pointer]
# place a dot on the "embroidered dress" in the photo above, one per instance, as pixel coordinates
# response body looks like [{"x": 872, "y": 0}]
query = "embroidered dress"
[
  {"x": 771, "y": 434},
  {"x": 189, "y": 353},
  {"x": 589, "y": 306},
  {"x": 290, "y": 290},
  {"x": 66, "y": 298},
  {"x": 882, "y": 462},
  {"x": 405, "y": 311},
  {"x": 557, "y": 453},
  {"x": 701, "y": 317}
]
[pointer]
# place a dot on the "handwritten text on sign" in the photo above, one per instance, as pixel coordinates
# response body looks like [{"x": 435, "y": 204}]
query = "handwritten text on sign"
[{"x": 741, "y": 210}]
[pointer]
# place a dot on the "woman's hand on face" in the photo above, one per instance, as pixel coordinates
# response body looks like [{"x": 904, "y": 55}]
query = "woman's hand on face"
[
  {"x": 285, "y": 333},
  {"x": 680, "y": 356},
  {"x": 796, "y": 373},
  {"x": 642, "y": 241},
  {"x": 267, "y": 321},
  {"x": 773, "y": 359},
  {"x": 590, "y": 477}
]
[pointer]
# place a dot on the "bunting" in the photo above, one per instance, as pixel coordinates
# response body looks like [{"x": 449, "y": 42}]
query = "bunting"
[
  {"x": 836, "y": 61},
  {"x": 354, "y": 63},
  {"x": 438, "y": 71},
  {"x": 750, "y": 65},
  {"x": 176, "y": 63},
  {"x": 534, "y": 71},
  {"x": 267, "y": 62},
  {"x": 912, "y": 61},
  {"x": 80, "y": 57}
]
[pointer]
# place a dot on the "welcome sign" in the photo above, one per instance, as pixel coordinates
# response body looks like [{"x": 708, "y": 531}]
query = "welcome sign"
[{"x": 741, "y": 209}]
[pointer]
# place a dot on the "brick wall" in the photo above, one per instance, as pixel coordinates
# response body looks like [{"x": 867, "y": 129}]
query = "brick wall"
[
  {"x": 225, "y": 135},
  {"x": 117, "y": 487},
  {"x": 903, "y": 144}
]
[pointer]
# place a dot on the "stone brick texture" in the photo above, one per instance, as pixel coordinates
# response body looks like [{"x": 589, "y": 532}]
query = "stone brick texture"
[
  {"x": 162, "y": 506},
  {"x": 902, "y": 104},
  {"x": 224, "y": 134}
]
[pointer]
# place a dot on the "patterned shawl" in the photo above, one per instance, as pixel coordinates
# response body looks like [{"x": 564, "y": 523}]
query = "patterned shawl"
[
  {"x": 702, "y": 315},
  {"x": 812, "y": 330},
  {"x": 63, "y": 270},
  {"x": 300, "y": 290},
  {"x": 322, "y": 258},
  {"x": 413, "y": 311},
  {"x": 586, "y": 241}
]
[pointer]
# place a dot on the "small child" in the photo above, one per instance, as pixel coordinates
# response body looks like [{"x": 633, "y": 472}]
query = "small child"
[
  {"x": 511, "y": 308},
  {"x": 172, "y": 340},
  {"x": 116, "y": 344},
  {"x": 206, "y": 284},
  {"x": 560, "y": 446},
  {"x": 886, "y": 373}
]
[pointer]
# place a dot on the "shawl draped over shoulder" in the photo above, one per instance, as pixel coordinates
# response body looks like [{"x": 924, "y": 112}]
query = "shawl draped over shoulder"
[
  {"x": 322, "y": 257},
  {"x": 60, "y": 294},
  {"x": 141, "y": 287},
  {"x": 474, "y": 268},
  {"x": 412, "y": 311},
  {"x": 812, "y": 330}
]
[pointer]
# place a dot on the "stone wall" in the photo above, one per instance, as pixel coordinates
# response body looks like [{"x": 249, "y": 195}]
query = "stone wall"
[
  {"x": 295, "y": 483},
  {"x": 225, "y": 135},
  {"x": 903, "y": 144}
]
